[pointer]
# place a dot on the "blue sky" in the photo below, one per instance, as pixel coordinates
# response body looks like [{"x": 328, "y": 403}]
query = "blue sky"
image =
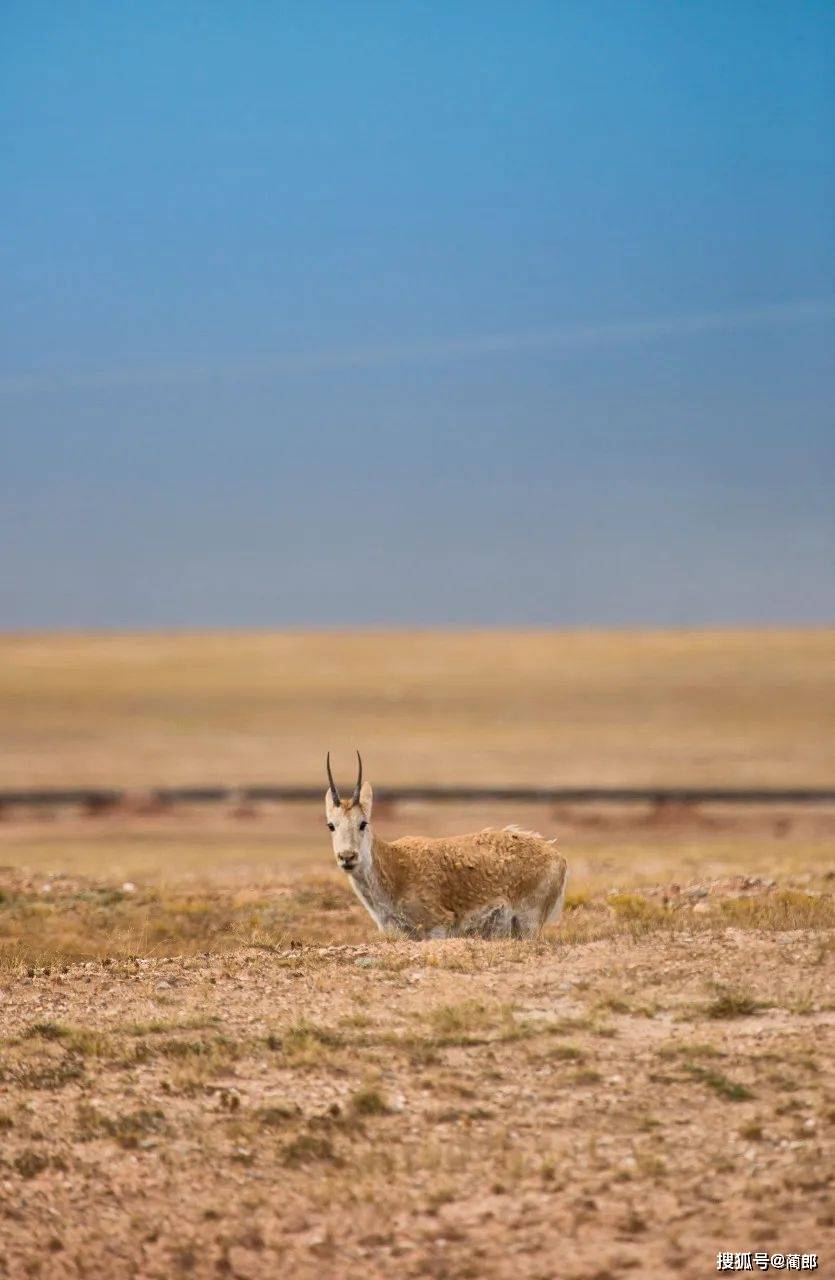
[{"x": 426, "y": 313}]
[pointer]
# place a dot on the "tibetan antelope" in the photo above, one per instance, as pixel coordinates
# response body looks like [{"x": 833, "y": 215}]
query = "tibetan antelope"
[{"x": 492, "y": 884}]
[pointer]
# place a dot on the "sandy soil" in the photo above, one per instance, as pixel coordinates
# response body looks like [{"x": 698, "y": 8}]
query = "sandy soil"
[{"x": 648, "y": 1086}]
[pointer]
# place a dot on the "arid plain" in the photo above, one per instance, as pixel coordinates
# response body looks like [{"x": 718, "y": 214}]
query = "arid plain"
[{"x": 212, "y": 1065}]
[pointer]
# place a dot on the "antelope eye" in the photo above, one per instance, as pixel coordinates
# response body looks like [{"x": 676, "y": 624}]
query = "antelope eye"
[
  {"x": 331, "y": 827},
  {"x": 363, "y": 825}
]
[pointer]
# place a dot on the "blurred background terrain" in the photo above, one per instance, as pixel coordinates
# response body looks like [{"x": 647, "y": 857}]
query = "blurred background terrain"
[{"x": 729, "y": 708}]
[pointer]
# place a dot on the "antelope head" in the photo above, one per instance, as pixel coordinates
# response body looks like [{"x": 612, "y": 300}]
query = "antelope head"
[{"x": 350, "y": 822}]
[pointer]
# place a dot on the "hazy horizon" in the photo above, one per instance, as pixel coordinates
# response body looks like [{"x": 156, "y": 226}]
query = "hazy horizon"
[
  {"x": 436, "y": 629},
  {"x": 388, "y": 318}
]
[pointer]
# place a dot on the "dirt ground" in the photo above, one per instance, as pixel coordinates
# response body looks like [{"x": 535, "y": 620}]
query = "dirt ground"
[
  {"x": 211, "y": 1065},
  {"x": 222, "y": 1070}
]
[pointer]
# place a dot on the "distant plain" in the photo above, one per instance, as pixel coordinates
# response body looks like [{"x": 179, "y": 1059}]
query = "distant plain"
[{"x": 727, "y": 708}]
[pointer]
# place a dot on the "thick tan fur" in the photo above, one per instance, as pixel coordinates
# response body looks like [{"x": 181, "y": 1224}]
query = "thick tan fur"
[
  {"x": 495, "y": 882},
  {"x": 442, "y": 882}
]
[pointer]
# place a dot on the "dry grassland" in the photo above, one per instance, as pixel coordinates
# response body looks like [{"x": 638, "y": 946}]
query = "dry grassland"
[
  {"x": 725, "y": 708},
  {"x": 219, "y": 1068},
  {"x": 211, "y": 1065}
]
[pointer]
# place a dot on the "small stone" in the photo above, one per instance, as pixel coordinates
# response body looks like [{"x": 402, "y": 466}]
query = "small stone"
[
  {"x": 128, "y": 887},
  {"x": 364, "y": 962},
  {"x": 244, "y": 1263}
]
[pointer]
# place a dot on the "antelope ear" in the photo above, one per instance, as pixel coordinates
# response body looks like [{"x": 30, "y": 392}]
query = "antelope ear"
[
  {"x": 330, "y": 806},
  {"x": 366, "y": 799}
]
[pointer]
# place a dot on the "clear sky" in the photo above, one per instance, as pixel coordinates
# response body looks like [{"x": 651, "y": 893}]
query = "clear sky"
[{"x": 433, "y": 313}]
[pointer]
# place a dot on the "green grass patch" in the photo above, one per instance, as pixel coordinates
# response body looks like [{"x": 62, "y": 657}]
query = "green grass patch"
[{"x": 721, "y": 1085}]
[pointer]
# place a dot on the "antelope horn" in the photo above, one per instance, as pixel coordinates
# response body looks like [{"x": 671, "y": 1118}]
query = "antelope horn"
[
  {"x": 334, "y": 791},
  {"x": 355, "y": 797}
]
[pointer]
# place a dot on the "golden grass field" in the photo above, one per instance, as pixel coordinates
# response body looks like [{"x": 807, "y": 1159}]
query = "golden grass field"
[
  {"x": 212, "y": 1065},
  {"x": 725, "y": 708}
]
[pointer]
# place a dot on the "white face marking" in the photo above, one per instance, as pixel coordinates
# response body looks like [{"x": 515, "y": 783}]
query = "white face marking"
[{"x": 350, "y": 834}]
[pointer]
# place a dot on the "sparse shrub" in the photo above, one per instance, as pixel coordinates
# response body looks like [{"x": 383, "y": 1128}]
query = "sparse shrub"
[
  {"x": 46, "y": 1031},
  {"x": 88, "y": 1043},
  {"x": 563, "y": 1025},
  {"x": 689, "y": 1049},
  {"x": 732, "y": 1004},
  {"x": 184, "y": 1048},
  {"x": 304, "y": 1041},
  {"x": 304, "y": 1033},
  {"x": 128, "y": 1129},
  {"x": 636, "y": 909},
  {"x": 158, "y": 1027},
  {"x": 452, "y": 1022},
  {"x": 369, "y": 1102},
  {"x": 565, "y": 1053},
  {"x": 615, "y": 1004},
  {"x": 722, "y": 1086},
  {"x": 51, "y": 1075}
]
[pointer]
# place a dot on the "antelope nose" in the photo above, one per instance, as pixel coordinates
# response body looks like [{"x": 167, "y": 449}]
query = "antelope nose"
[{"x": 347, "y": 861}]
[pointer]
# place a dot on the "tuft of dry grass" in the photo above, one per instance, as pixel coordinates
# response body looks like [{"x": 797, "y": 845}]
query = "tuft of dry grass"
[
  {"x": 783, "y": 910},
  {"x": 369, "y": 1101},
  {"x": 81, "y": 918},
  {"x": 730, "y": 1003},
  {"x": 130, "y": 1129},
  {"x": 722, "y": 1086}
]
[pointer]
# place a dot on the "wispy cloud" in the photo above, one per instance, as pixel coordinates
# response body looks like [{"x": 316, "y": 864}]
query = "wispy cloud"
[{"x": 565, "y": 338}]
